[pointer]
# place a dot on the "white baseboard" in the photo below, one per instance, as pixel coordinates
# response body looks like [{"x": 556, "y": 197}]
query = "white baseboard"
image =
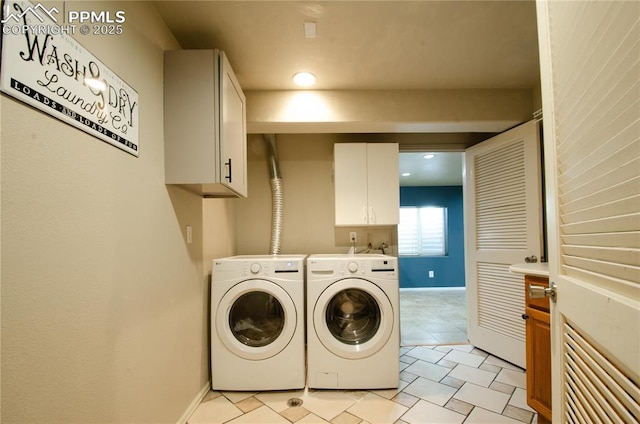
[
  {"x": 430, "y": 288},
  {"x": 194, "y": 404}
]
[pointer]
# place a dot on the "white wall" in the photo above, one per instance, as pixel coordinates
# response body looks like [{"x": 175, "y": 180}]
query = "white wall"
[{"x": 102, "y": 299}]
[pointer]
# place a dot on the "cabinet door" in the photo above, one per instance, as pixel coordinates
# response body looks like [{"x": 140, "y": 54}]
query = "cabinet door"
[
  {"x": 350, "y": 161},
  {"x": 539, "y": 362},
  {"x": 204, "y": 124},
  {"x": 538, "y": 347},
  {"x": 383, "y": 184},
  {"x": 233, "y": 140},
  {"x": 190, "y": 117}
]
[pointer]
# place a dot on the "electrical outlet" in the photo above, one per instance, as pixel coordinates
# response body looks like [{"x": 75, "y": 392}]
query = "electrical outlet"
[
  {"x": 353, "y": 237},
  {"x": 431, "y": 274}
]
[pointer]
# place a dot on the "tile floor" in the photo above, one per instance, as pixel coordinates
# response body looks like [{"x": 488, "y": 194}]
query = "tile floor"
[
  {"x": 433, "y": 317},
  {"x": 438, "y": 384}
]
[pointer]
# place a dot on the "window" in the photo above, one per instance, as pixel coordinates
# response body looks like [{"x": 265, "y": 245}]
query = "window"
[{"x": 422, "y": 231}]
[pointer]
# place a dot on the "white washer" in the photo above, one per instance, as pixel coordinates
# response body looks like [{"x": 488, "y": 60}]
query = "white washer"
[
  {"x": 353, "y": 329},
  {"x": 257, "y": 323}
]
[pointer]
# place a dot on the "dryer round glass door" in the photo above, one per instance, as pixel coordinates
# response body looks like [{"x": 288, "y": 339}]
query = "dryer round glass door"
[
  {"x": 353, "y": 318},
  {"x": 256, "y": 319}
]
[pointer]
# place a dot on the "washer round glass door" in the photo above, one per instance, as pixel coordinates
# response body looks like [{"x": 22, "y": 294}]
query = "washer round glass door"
[
  {"x": 353, "y": 318},
  {"x": 256, "y": 319}
]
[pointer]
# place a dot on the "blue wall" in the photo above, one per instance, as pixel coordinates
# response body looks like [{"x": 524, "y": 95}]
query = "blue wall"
[{"x": 448, "y": 270}]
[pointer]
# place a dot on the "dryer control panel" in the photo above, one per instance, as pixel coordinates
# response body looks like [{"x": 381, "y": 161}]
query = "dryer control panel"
[
  {"x": 383, "y": 265},
  {"x": 372, "y": 267},
  {"x": 357, "y": 265}
]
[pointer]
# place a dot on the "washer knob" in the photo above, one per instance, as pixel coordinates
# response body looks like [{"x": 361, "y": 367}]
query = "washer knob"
[
  {"x": 352, "y": 267},
  {"x": 255, "y": 268}
]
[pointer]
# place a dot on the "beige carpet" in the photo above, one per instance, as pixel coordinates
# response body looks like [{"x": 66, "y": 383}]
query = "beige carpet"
[{"x": 433, "y": 317}]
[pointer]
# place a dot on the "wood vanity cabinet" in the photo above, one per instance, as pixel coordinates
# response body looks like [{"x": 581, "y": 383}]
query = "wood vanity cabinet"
[{"x": 538, "y": 350}]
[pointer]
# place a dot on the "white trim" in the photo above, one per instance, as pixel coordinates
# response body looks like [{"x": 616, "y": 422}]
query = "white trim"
[
  {"x": 194, "y": 403},
  {"x": 551, "y": 194},
  {"x": 431, "y": 288}
]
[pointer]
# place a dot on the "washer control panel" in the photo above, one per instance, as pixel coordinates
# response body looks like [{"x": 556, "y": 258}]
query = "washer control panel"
[
  {"x": 353, "y": 267},
  {"x": 273, "y": 267},
  {"x": 285, "y": 267}
]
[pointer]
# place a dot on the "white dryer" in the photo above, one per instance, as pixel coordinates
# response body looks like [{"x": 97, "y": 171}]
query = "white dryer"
[
  {"x": 353, "y": 329},
  {"x": 257, "y": 323}
]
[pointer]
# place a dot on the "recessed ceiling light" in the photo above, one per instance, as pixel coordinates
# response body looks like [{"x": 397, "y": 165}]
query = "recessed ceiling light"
[
  {"x": 304, "y": 79},
  {"x": 406, "y": 174},
  {"x": 428, "y": 156}
]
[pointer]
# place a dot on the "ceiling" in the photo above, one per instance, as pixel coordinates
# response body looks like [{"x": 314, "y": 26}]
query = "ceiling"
[
  {"x": 369, "y": 45},
  {"x": 443, "y": 169},
  {"x": 366, "y": 44}
]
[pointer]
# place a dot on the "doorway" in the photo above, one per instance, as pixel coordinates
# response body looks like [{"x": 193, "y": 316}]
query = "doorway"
[
  {"x": 433, "y": 308},
  {"x": 433, "y": 316}
]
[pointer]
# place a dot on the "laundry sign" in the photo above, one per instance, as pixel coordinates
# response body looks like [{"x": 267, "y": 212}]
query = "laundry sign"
[{"x": 44, "y": 66}]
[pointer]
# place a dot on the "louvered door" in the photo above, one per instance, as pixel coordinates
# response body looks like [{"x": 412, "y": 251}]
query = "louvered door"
[
  {"x": 590, "y": 63},
  {"x": 503, "y": 225}
]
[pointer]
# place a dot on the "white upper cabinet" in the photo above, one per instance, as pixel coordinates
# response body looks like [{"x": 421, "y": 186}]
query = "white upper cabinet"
[
  {"x": 367, "y": 184},
  {"x": 204, "y": 124}
]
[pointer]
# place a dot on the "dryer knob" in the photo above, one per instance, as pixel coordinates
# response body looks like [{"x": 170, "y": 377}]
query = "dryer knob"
[
  {"x": 255, "y": 268},
  {"x": 352, "y": 267}
]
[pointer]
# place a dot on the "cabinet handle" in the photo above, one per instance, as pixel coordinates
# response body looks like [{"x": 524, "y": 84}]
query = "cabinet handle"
[
  {"x": 365, "y": 218},
  {"x": 372, "y": 216},
  {"x": 228, "y": 177},
  {"x": 525, "y": 316}
]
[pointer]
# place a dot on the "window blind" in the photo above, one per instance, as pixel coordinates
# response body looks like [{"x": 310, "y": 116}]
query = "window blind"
[{"x": 422, "y": 231}]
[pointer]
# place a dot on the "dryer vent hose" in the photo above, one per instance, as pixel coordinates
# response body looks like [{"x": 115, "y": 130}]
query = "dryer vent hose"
[
  {"x": 276, "y": 195},
  {"x": 276, "y": 215}
]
